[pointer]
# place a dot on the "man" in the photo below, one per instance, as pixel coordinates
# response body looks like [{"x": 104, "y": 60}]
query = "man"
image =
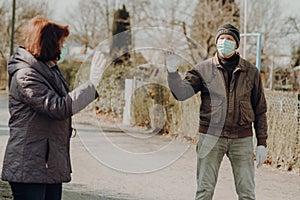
[{"x": 232, "y": 100}]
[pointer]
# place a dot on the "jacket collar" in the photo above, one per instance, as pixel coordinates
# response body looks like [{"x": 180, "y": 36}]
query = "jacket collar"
[
  {"x": 23, "y": 59},
  {"x": 48, "y": 74},
  {"x": 51, "y": 64},
  {"x": 240, "y": 67}
]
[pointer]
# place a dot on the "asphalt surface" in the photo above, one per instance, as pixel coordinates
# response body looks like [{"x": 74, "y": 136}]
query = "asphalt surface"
[{"x": 70, "y": 191}]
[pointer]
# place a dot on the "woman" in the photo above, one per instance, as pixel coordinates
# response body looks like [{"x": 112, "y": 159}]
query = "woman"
[{"x": 37, "y": 157}]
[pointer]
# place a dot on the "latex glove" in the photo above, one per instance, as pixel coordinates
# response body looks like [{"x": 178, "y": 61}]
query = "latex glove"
[
  {"x": 261, "y": 155},
  {"x": 172, "y": 61},
  {"x": 97, "y": 68}
]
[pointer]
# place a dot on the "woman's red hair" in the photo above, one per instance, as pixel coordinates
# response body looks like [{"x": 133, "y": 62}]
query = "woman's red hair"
[{"x": 43, "y": 38}]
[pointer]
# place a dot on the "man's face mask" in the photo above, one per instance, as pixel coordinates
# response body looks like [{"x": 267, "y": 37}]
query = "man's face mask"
[
  {"x": 225, "y": 47},
  {"x": 63, "y": 54}
]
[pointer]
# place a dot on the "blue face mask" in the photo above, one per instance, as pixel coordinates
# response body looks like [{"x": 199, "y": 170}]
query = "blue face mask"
[
  {"x": 63, "y": 54},
  {"x": 225, "y": 47}
]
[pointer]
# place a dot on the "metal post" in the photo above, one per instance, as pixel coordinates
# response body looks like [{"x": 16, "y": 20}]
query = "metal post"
[
  {"x": 271, "y": 74},
  {"x": 245, "y": 28},
  {"x": 12, "y": 27},
  {"x": 12, "y": 35},
  {"x": 258, "y": 52},
  {"x": 258, "y": 49}
]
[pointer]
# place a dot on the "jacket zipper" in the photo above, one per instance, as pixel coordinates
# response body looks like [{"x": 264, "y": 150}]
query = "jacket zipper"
[{"x": 47, "y": 154}]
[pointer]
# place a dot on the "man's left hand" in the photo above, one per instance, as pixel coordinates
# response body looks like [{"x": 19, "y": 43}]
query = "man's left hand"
[{"x": 261, "y": 155}]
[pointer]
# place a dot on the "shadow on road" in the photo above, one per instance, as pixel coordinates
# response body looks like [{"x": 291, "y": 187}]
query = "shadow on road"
[{"x": 5, "y": 194}]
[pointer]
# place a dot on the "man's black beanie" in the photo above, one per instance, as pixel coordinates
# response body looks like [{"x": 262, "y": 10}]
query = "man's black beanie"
[{"x": 230, "y": 30}]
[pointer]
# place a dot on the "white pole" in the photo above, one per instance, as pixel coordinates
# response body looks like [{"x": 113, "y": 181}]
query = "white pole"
[
  {"x": 129, "y": 88},
  {"x": 271, "y": 75}
]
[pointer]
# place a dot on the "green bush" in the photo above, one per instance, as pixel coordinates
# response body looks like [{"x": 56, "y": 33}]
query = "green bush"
[{"x": 69, "y": 70}]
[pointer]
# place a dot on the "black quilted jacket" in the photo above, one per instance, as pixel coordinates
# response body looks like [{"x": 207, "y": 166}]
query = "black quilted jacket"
[{"x": 38, "y": 149}]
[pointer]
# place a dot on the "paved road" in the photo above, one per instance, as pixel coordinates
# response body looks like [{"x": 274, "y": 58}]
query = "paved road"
[
  {"x": 106, "y": 173},
  {"x": 3, "y": 113}
]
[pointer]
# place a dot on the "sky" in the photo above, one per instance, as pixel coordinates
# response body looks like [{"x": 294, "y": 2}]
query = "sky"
[{"x": 289, "y": 6}]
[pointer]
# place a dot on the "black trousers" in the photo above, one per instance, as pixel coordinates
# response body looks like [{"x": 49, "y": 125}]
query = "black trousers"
[{"x": 36, "y": 191}]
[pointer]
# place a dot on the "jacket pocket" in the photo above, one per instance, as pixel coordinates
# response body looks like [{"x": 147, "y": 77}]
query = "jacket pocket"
[
  {"x": 211, "y": 112},
  {"x": 246, "y": 113}
]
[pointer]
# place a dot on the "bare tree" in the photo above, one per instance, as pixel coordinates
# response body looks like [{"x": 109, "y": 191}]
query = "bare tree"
[
  {"x": 292, "y": 31},
  {"x": 24, "y": 12},
  {"x": 293, "y": 25},
  {"x": 263, "y": 18},
  {"x": 88, "y": 23},
  {"x": 209, "y": 15},
  {"x": 91, "y": 21}
]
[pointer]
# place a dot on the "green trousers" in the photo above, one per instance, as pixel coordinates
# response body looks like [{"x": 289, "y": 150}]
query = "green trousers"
[{"x": 210, "y": 152}]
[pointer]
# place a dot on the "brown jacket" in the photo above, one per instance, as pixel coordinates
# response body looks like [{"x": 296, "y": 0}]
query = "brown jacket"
[
  {"x": 38, "y": 149},
  {"x": 225, "y": 112}
]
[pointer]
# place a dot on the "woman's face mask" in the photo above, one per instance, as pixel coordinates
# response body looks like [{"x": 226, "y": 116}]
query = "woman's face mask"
[
  {"x": 225, "y": 47},
  {"x": 63, "y": 54}
]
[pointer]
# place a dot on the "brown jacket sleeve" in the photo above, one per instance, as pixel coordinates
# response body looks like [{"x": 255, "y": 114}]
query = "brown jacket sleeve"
[
  {"x": 183, "y": 89},
  {"x": 260, "y": 108}
]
